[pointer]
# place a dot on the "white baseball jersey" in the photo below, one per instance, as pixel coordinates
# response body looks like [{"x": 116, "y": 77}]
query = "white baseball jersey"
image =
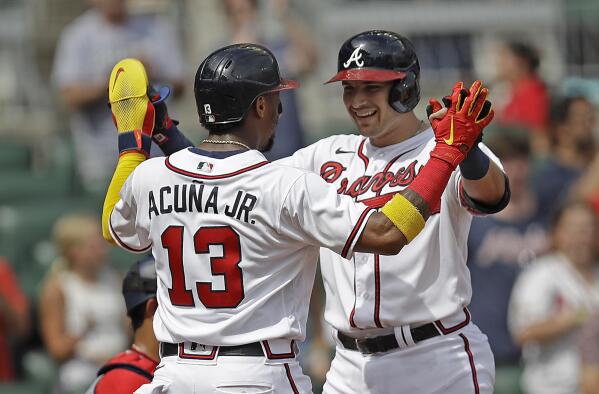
[
  {"x": 428, "y": 280},
  {"x": 236, "y": 241}
]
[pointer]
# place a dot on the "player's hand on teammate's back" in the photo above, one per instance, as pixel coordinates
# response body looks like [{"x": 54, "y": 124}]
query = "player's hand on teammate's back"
[{"x": 460, "y": 127}]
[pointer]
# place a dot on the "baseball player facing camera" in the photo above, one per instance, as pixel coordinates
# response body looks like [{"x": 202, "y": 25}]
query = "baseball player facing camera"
[
  {"x": 236, "y": 238},
  {"x": 127, "y": 371}
]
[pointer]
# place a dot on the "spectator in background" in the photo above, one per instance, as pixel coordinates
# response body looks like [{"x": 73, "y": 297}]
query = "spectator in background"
[
  {"x": 14, "y": 318},
  {"x": 498, "y": 247},
  {"x": 572, "y": 122},
  {"x": 551, "y": 300},
  {"x": 588, "y": 347},
  {"x": 127, "y": 371},
  {"x": 87, "y": 50},
  {"x": 297, "y": 55},
  {"x": 527, "y": 103},
  {"x": 82, "y": 319}
]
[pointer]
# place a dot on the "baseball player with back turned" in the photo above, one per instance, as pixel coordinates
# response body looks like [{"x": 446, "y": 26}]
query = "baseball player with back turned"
[{"x": 236, "y": 238}]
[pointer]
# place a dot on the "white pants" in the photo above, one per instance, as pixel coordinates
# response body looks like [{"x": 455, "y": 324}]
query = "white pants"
[
  {"x": 456, "y": 363},
  {"x": 228, "y": 375}
]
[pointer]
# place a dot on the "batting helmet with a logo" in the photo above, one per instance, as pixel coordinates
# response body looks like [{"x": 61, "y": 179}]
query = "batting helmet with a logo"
[
  {"x": 380, "y": 56},
  {"x": 231, "y": 78}
]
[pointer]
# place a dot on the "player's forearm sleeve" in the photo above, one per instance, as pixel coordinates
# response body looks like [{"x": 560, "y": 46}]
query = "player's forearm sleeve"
[{"x": 127, "y": 163}]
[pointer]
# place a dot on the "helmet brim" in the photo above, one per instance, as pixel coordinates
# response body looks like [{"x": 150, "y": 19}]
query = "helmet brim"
[
  {"x": 286, "y": 84},
  {"x": 367, "y": 74}
]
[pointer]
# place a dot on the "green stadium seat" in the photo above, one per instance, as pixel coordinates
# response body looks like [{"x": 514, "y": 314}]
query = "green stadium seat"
[{"x": 14, "y": 156}]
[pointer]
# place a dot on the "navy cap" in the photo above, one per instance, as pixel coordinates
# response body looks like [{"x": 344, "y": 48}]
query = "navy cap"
[{"x": 140, "y": 284}]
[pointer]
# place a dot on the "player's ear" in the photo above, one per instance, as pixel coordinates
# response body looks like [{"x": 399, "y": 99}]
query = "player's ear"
[
  {"x": 260, "y": 107},
  {"x": 151, "y": 306}
]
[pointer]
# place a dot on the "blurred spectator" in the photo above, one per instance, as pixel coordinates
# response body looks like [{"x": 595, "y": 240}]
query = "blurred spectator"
[
  {"x": 572, "y": 122},
  {"x": 81, "y": 313},
  {"x": 293, "y": 48},
  {"x": 86, "y": 52},
  {"x": 551, "y": 300},
  {"x": 14, "y": 319},
  {"x": 527, "y": 103},
  {"x": 127, "y": 371},
  {"x": 588, "y": 346},
  {"x": 498, "y": 247}
]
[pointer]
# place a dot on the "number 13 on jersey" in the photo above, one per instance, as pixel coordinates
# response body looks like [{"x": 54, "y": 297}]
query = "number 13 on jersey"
[{"x": 227, "y": 265}]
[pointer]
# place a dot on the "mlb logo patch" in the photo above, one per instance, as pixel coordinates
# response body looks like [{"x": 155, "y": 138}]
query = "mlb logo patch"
[{"x": 205, "y": 166}]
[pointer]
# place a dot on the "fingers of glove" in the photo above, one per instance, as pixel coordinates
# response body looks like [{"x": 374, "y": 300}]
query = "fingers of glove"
[
  {"x": 473, "y": 94},
  {"x": 433, "y": 106},
  {"x": 478, "y": 103},
  {"x": 484, "y": 122},
  {"x": 447, "y": 101},
  {"x": 456, "y": 95},
  {"x": 437, "y": 113},
  {"x": 148, "y": 125},
  {"x": 484, "y": 111}
]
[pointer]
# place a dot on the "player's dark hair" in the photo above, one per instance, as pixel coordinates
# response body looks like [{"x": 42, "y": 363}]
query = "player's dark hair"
[
  {"x": 138, "y": 315},
  {"x": 527, "y": 53}
]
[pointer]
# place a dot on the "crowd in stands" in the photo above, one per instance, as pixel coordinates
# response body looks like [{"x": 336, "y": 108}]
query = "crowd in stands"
[{"x": 534, "y": 266}]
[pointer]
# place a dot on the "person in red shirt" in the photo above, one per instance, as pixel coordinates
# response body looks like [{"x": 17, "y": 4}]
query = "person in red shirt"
[
  {"x": 14, "y": 318},
  {"x": 127, "y": 371},
  {"x": 527, "y": 104}
]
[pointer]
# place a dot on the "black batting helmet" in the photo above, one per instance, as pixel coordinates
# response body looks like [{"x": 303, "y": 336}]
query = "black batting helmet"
[
  {"x": 140, "y": 284},
  {"x": 379, "y": 55},
  {"x": 231, "y": 78}
]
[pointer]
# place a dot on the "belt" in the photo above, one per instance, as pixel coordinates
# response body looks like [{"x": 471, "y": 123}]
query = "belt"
[
  {"x": 385, "y": 343},
  {"x": 251, "y": 349}
]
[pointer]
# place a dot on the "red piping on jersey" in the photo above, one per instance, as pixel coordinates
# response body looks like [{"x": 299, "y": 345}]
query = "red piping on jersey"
[
  {"x": 351, "y": 237},
  {"x": 290, "y": 378},
  {"x": 278, "y": 356},
  {"x": 447, "y": 330},
  {"x": 200, "y": 176},
  {"x": 120, "y": 241},
  {"x": 471, "y": 360},
  {"x": 362, "y": 155},
  {"x": 377, "y": 291},
  {"x": 184, "y": 355}
]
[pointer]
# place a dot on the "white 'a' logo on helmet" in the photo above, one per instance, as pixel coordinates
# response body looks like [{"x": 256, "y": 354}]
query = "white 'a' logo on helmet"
[{"x": 356, "y": 56}]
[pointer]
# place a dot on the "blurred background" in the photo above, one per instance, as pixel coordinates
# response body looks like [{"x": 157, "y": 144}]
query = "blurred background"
[{"x": 57, "y": 152}]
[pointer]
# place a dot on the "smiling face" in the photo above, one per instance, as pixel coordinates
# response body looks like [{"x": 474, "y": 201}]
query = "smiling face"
[{"x": 367, "y": 103}]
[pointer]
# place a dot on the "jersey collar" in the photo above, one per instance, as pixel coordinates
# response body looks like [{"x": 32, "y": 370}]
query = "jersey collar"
[{"x": 198, "y": 163}]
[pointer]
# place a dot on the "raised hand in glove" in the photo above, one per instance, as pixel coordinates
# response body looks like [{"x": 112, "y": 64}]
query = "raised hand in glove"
[
  {"x": 132, "y": 111},
  {"x": 461, "y": 127}
]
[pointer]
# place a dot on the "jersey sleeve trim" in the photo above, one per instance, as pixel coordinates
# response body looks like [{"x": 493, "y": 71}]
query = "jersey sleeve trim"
[
  {"x": 358, "y": 228},
  {"x": 121, "y": 243},
  {"x": 171, "y": 167}
]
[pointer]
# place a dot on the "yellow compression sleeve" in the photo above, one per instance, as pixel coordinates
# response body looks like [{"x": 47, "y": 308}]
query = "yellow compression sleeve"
[
  {"x": 404, "y": 215},
  {"x": 127, "y": 163}
]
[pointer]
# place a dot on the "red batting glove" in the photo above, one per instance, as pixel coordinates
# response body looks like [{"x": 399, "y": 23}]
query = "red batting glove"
[{"x": 462, "y": 126}]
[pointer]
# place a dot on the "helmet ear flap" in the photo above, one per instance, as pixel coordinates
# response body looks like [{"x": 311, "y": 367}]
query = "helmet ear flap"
[{"x": 405, "y": 93}]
